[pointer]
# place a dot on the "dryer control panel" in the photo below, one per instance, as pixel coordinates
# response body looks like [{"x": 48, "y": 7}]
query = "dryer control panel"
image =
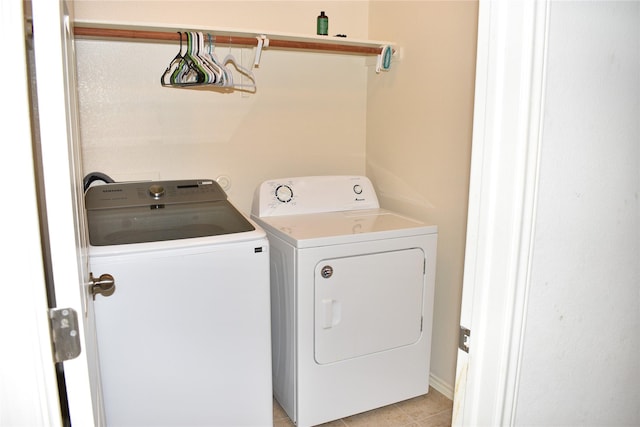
[{"x": 313, "y": 194}]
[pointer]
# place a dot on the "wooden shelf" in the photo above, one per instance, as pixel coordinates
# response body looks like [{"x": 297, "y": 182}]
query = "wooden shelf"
[{"x": 226, "y": 36}]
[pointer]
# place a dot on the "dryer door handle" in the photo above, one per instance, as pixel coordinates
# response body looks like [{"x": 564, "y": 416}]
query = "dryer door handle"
[{"x": 331, "y": 313}]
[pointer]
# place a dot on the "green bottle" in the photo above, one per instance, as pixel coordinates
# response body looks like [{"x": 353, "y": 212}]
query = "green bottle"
[{"x": 323, "y": 24}]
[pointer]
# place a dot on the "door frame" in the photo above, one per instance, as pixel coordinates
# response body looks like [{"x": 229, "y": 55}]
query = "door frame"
[
  {"x": 506, "y": 141},
  {"x": 29, "y": 395},
  {"x": 58, "y": 125},
  {"x": 27, "y": 363},
  {"x": 508, "y": 111}
]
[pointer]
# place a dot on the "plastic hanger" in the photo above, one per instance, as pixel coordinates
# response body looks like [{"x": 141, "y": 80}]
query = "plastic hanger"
[
  {"x": 230, "y": 59},
  {"x": 197, "y": 66},
  {"x": 211, "y": 70},
  {"x": 186, "y": 71},
  {"x": 165, "y": 79},
  {"x": 216, "y": 69},
  {"x": 215, "y": 63},
  {"x": 194, "y": 72}
]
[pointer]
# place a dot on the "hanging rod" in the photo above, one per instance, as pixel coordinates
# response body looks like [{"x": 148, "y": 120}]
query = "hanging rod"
[{"x": 227, "y": 38}]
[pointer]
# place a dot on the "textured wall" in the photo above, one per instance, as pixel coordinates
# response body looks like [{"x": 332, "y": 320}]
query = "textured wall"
[{"x": 307, "y": 116}]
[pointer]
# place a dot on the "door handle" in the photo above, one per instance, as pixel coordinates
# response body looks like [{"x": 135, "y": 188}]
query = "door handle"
[
  {"x": 105, "y": 285},
  {"x": 331, "y": 313}
]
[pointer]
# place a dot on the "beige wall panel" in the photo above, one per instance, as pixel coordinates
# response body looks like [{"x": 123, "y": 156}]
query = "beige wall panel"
[
  {"x": 295, "y": 16},
  {"x": 419, "y": 122}
]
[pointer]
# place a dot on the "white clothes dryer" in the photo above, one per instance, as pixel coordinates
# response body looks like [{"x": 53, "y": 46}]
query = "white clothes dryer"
[
  {"x": 184, "y": 340},
  {"x": 352, "y": 290}
]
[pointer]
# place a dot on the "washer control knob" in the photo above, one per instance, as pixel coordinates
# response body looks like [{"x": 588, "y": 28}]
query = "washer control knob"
[
  {"x": 357, "y": 189},
  {"x": 284, "y": 193},
  {"x": 156, "y": 191}
]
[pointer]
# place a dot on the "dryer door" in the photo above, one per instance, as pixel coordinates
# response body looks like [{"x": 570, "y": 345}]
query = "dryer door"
[{"x": 368, "y": 303}]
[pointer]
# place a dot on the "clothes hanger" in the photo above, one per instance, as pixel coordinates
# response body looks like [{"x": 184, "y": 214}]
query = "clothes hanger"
[
  {"x": 165, "y": 79},
  {"x": 187, "y": 71},
  {"x": 194, "y": 63},
  {"x": 224, "y": 73},
  {"x": 230, "y": 59},
  {"x": 211, "y": 73},
  {"x": 214, "y": 68},
  {"x": 199, "y": 67},
  {"x": 182, "y": 70}
]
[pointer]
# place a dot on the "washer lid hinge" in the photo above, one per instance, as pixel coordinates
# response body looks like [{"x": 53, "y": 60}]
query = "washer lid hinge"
[
  {"x": 65, "y": 336},
  {"x": 463, "y": 339}
]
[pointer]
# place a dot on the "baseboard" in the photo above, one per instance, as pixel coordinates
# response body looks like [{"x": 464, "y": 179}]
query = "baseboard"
[{"x": 441, "y": 386}]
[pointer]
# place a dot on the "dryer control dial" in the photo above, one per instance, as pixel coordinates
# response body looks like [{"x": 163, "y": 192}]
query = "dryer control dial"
[{"x": 284, "y": 193}]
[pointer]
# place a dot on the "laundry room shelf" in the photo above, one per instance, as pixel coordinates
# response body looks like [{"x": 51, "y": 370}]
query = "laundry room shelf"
[{"x": 227, "y": 36}]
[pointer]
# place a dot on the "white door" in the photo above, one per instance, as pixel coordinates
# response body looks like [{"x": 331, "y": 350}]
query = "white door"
[
  {"x": 504, "y": 175},
  {"x": 63, "y": 193},
  {"x": 368, "y": 303}
]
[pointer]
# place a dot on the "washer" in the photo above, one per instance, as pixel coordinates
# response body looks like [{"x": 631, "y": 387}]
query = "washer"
[
  {"x": 352, "y": 297},
  {"x": 185, "y": 338}
]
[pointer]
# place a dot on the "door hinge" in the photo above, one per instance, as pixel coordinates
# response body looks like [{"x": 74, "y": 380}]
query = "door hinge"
[
  {"x": 463, "y": 339},
  {"x": 65, "y": 336}
]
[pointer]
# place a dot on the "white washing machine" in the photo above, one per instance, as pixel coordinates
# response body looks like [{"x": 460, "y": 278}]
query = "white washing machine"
[
  {"x": 352, "y": 297},
  {"x": 184, "y": 340}
]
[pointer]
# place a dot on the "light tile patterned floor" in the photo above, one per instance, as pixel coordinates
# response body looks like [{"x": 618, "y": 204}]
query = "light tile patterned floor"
[{"x": 430, "y": 410}]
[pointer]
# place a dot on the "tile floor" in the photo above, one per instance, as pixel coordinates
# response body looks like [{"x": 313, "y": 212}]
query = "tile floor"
[{"x": 431, "y": 410}]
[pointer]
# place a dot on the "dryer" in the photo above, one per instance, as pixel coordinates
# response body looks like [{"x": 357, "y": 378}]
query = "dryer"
[
  {"x": 184, "y": 340},
  {"x": 352, "y": 290}
]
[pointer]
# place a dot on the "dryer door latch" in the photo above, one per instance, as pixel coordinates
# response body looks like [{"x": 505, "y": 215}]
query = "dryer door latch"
[
  {"x": 463, "y": 339},
  {"x": 326, "y": 271}
]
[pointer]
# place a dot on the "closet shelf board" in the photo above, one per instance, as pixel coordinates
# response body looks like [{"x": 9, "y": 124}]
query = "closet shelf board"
[{"x": 226, "y": 36}]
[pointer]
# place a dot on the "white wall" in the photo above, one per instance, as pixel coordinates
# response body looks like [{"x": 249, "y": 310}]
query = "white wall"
[{"x": 580, "y": 363}]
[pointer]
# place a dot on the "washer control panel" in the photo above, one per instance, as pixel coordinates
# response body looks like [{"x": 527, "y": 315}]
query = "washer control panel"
[
  {"x": 313, "y": 194},
  {"x": 143, "y": 193}
]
